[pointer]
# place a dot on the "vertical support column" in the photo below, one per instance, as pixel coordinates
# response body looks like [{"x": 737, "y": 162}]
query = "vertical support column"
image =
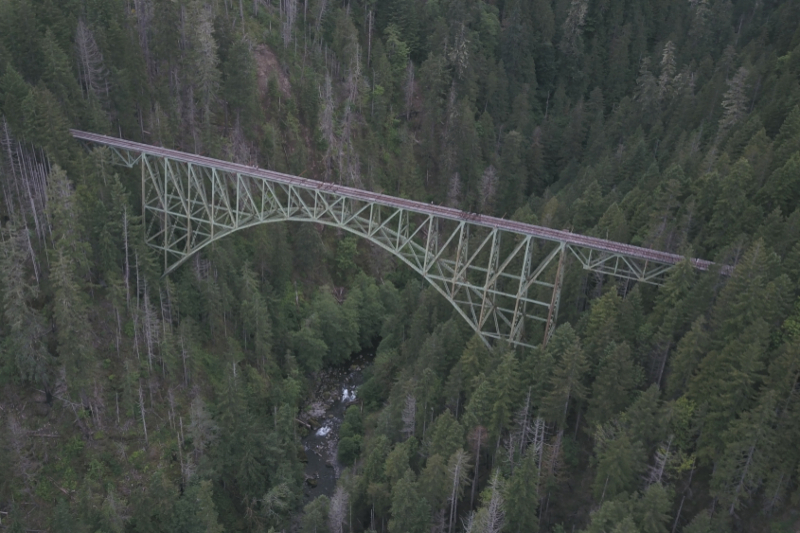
[
  {"x": 238, "y": 199},
  {"x": 213, "y": 201},
  {"x": 552, "y": 314},
  {"x": 166, "y": 213},
  {"x": 189, "y": 204},
  {"x": 491, "y": 279},
  {"x": 430, "y": 243},
  {"x": 519, "y": 307},
  {"x": 461, "y": 254}
]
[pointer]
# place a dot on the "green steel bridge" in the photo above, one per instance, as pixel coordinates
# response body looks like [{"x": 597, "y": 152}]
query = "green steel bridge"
[{"x": 503, "y": 277}]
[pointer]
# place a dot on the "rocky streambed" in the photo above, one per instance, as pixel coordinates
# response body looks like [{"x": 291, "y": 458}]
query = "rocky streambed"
[{"x": 335, "y": 390}]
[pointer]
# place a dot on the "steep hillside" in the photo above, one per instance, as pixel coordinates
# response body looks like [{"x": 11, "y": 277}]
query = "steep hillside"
[{"x": 140, "y": 403}]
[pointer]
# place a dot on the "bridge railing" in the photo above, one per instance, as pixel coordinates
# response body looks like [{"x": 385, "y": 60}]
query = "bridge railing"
[{"x": 502, "y": 276}]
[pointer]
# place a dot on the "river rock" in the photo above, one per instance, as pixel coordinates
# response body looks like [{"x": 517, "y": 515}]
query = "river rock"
[
  {"x": 312, "y": 482},
  {"x": 302, "y": 456}
]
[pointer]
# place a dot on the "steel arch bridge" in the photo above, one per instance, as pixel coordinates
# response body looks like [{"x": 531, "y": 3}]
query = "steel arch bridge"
[{"x": 503, "y": 277}]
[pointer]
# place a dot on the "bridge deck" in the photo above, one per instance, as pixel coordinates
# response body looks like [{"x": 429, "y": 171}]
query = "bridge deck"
[{"x": 539, "y": 232}]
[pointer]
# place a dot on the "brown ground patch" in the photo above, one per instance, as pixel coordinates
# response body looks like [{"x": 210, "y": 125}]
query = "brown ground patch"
[{"x": 267, "y": 65}]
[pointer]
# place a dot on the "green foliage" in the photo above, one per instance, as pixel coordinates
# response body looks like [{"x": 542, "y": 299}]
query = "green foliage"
[
  {"x": 617, "y": 377},
  {"x": 345, "y": 258},
  {"x": 619, "y": 463},
  {"x": 195, "y": 511},
  {"x": 671, "y": 127},
  {"x": 566, "y": 383},
  {"x": 315, "y": 516},
  {"x": 410, "y": 510},
  {"x": 350, "y": 435},
  {"x": 521, "y": 495}
]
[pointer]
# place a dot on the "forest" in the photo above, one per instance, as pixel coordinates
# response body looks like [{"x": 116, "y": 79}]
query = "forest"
[{"x": 132, "y": 402}]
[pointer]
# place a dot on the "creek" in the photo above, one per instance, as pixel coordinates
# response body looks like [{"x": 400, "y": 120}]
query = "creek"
[{"x": 335, "y": 390}]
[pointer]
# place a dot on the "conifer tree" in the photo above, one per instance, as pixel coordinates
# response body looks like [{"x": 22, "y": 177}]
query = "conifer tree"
[
  {"x": 457, "y": 470},
  {"x": 491, "y": 516},
  {"x": 195, "y": 512},
  {"x": 24, "y": 349},
  {"x": 620, "y": 460},
  {"x": 410, "y": 510},
  {"x": 255, "y": 316},
  {"x": 446, "y": 435},
  {"x": 653, "y": 509},
  {"x": 618, "y": 376},
  {"x": 14, "y": 91},
  {"x": 783, "y": 185},
  {"x": 741, "y": 467},
  {"x": 504, "y": 389},
  {"x": 566, "y": 383},
  {"x": 433, "y": 481},
  {"x": 473, "y": 362},
  {"x": 787, "y": 142},
  {"x": 75, "y": 343},
  {"x": 735, "y": 100},
  {"x": 603, "y": 325},
  {"x": 522, "y": 495},
  {"x": 691, "y": 349}
]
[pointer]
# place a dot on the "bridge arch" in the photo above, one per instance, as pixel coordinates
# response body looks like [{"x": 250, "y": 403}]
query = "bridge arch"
[
  {"x": 503, "y": 277},
  {"x": 468, "y": 309}
]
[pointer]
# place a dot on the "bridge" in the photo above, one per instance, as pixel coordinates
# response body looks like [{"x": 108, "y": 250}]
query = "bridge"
[{"x": 503, "y": 277}]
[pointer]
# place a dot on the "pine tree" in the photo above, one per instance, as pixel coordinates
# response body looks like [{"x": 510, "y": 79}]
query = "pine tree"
[
  {"x": 410, "y": 510},
  {"x": 315, "y": 516},
  {"x": 255, "y": 317},
  {"x": 195, "y": 512},
  {"x": 14, "y": 91},
  {"x": 58, "y": 76},
  {"x": 603, "y": 325},
  {"x": 691, "y": 349},
  {"x": 735, "y": 100},
  {"x": 787, "y": 142},
  {"x": 458, "y": 470},
  {"x": 504, "y": 385},
  {"x": 701, "y": 523},
  {"x": 522, "y": 496},
  {"x": 670, "y": 313},
  {"x": 617, "y": 378},
  {"x": 63, "y": 521},
  {"x": 748, "y": 442},
  {"x": 204, "y": 61},
  {"x": 478, "y": 410},
  {"x": 566, "y": 383},
  {"x": 490, "y": 517},
  {"x": 734, "y": 211},
  {"x": 473, "y": 363},
  {"x": 653, "y": 509},
  {"x": 783, "y": 185},
  {"x": 620, "y": 460},
  {"x": 308, "y": 344},
  {"x": 240, "y": 87},
  {"x": 434, "y": 482},
  {"x": 446, "y": 435},
  {"x": 647, "y": 91},
  {"x": 24, "y": 348},
  {"x": 70, "y": 311}
]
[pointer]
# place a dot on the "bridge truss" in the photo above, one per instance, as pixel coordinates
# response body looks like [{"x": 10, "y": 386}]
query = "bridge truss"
[{"x": 503, "y": 277}]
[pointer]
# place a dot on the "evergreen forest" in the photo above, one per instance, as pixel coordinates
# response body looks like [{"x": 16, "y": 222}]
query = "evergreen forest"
[{"x": 132, "y": 402}]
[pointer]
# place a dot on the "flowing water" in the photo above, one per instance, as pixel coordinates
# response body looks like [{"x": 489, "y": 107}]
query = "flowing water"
[{"x": 336, "y": 389}]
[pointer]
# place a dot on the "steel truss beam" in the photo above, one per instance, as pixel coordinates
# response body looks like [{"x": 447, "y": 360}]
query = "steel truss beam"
[
  {"x": 501, "y": 290},
  {"x": 503, "y": 278}
]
